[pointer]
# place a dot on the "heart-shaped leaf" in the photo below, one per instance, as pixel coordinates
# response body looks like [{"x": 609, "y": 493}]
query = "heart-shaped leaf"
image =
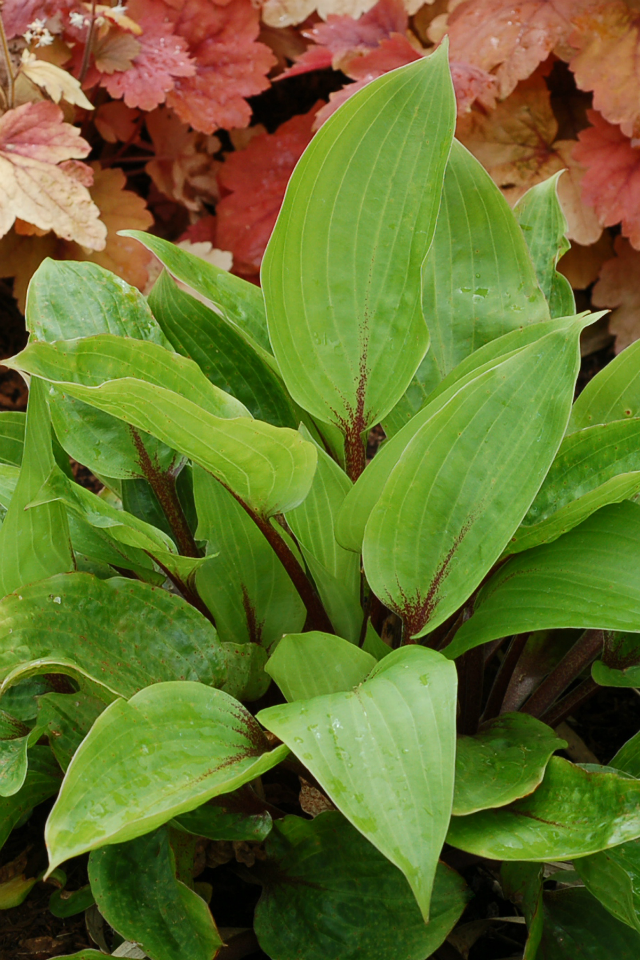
[
  {"x": 385, "y": 755},
  {"x": 164, "y": 752}
]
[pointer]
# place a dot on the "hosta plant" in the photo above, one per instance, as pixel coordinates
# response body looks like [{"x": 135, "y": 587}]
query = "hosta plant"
[{"x": 247, "y": 603}]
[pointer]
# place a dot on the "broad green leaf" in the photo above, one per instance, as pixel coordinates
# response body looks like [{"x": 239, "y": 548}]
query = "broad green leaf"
[
  {"x": 166, "y": 751},
  {"x": 96, "y": 551},
  {"x": 8, "y": 482},
  {"x": 613, "y": 394},
  {"x": 21, "y": 702},
  {"x": 245, "y": 679},
  {"x": 118, "y": 525},
  {"x": 620, "y": 663},
  {"x": 14, "y": 762},
  {"x": 505, "y": 760},
  {"x": 34, "y": 543},
  {"x": 222, "y": 353},
  {"x": 92, "y": 361},
  {"x": 83, "y": 955},
  {"x": 336, "y": 571},
  {"x": 544, "y": 226},
  {"x": 15, "y": 891},
  {"x": 235, "y": 816},
  {"x": 452, "y": 503},
  {"x": 121, "y": 633},
  {"x": 239, "y": 301},
  {"x": 68, "y": 717},
  {"x": 269, "y": 468},
  {"x": 593, "y": 467},
  {"x": 42, "y": 781},
  {"x": 341, "y": 273},
  {"x": 68, "y": 903},
  {"x": 313, "y": 664},
  {"x": 577, "y": 927},
  {"x": 613, "y": 877},
  {"x": 137, "y": 892},
  {"x": 574, "y": 812},
  {"x": 67, "y": 300},
  {"x": 71, "y": 300},
  {"x": 12, "y": 427},
  {"x": 330, "y": 895},
  {"x": 424, "y": 381},
  {"x": 478, "y": 279},
  {"x": 384, "y": 754},
  {"x": 588, "y": 578},
  {"x": 243, "y": 583},
  {"x": 373, "y": 644},
  {"x": 628, "y": 757},
  {"x": 365, "y": 493}
]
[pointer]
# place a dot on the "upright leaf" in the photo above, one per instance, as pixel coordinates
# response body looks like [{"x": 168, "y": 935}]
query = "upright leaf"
[
  {"x": 67, "y": 717},
  {"x": 613, "y": 877},
  {"x": 335, "y": 570},
  {"x": 121, "y": 634},
  {"x": 42, "y": 781},
  {"x": 137, "y": 892},
  {"x": 34, "y": 543},
  {"x": 478, "y": 279},
  {"x": 589, "y": 578},
  {"x": 313, "y": 664},
  {"x": 307, "y": 910},
  {"x": 341, "y": 273},
  {"x": 12, "y": 428},
  {"x": 544, "y": 226},
  {"x": 466, "y": 480},
  {"x": 385, "y": 756},
  {"x": 164, "y": 752},
  {"x": 594, "y": 466},
  {"x": 239, "y": 301},
  {"x": 572, "y": 813},
  {"x": 613, "y": 394},
  {"x": 243, "y": 583},
  {"x": 576, "y": 925}
]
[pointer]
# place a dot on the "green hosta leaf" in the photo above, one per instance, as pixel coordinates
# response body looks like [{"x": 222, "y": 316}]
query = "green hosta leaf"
[
  {"x": 34, "y": 543},
  {"x": 121, "y": 633},
  {"x": 93, "y": 361},
  {"x": 65, "y": 903},
  {"x": 594, "y": 466},
  {"x": 341, "y": 273},
  {"x": 119, "y": 526},
  {"x": 620, "y": 664},
  {"x": 628, "y": 757},
  {"x": 544, "y": 226},
  {"x": 14, "y": 892},
  {"x": 577, "y": 926},
  {"x": 222, "y": 353},
  {"x": 8, "y": 481},
  {"x": 335, "y": 570},
  {"x": 235, "y": 816},
  {"x": 83, "y": 955},
  {"x": 137, "y": 892},
  {"x": 14, "y": 762},
  {"x": 505, "y": 760},
  {"x": 365, "y": 493},
  {"x": 522, "y": 884},
  {"x": 246, "y": 679},
  {"x": 613, "y": 877},
  {"x": 12, "y": 428},
  {"x": 452, "y": 503},
  {"x": 399, "y": 797},
  {"x": 313, "y": 664},
  {"x": 330, "y": 895},
  {"x": 164, "y": 752},
  {"x": 269, "y": 468},
  {"x": 574, "y": 812},
  {"x": 42, "y": 781},
  {"x": 97, "y": 552},
  {"x": 479, "y": 282},
  {"x": 68, "y": 300},
  {"x": 613, "y": 394},
  {"x": 244, "y": 583},
  {"x": 589, "y": 578},
  {"x": 239, "y": 301},
  {"x": 373, "y": 644},
  {"x": 68, "y": 717},
  {"x": 21, "y": 701}
]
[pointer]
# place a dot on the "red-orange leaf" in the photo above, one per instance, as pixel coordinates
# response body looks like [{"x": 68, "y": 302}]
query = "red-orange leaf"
[
  {"x": 255, "y": 180},
  {"x": 231, "y": 65},
  {"x": 619, "y": 287},
  {"x": 611, "y": 184},
  {"x": 509, "y": 37},
  {"x": 608, "y": 39}
]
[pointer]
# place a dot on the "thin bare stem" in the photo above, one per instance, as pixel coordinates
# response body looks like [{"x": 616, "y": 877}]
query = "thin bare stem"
[
  {"x": 503, "y": 676},
  {"x": 565, "y": 707},
  {"x": 570, "y": 667},
  {"x": 470, "y": 680},
  {"x": 11, "y": 80},
  {"x": 89, "y": 43}
]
